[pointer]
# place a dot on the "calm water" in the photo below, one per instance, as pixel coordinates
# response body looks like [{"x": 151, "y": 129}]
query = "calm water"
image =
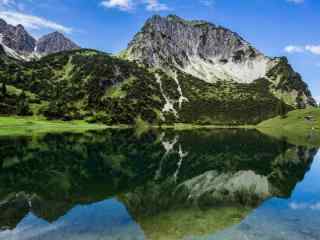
[{"x": 119, "y": 184}]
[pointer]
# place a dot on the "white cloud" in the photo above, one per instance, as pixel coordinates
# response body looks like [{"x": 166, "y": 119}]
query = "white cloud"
[
  {"x": 6, "y": 2},
  {"x": 32, "y": 22},
  {"x": 156, "y": 6},
  {"x": 293, "y": 49},
  {"x": 296, "y": 1},
  {"x": 123, "y": 5},
  {"x": 315, "y": 49},
  {"x": 128, "y": 5},
  {"x": 303, "y": 206},
  {"x": 317, "y": 99}
]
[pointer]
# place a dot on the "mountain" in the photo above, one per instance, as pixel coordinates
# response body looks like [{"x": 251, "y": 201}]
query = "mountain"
[
  {"x": 54, "y": 42},
  {"x": 202, "y": 49},
  {"x": 16, "y": 38},
  {"x": 213, "y": 53},
  {"x": 156, "y": 79},
  {"x": 18, "y": 43}
]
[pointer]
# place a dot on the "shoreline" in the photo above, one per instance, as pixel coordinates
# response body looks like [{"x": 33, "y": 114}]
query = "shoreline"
[{"x": 294, "y": 128}]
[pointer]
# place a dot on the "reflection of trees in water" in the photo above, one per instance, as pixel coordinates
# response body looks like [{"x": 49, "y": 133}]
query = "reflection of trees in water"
[{"x": 152, "y": 174}]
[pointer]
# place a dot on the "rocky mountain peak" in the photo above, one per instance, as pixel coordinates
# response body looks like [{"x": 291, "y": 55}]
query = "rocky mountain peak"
[
  {"x": 20, "y": 27},
  {"x": 199, "y": 48},
  {"x": 2, "y": 23},
  {"x": 54, "y": 42},
  {"x": 16, "y": 38}
]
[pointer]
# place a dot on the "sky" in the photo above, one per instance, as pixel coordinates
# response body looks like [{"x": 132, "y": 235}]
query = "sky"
[{"x": 276, "y": 27}]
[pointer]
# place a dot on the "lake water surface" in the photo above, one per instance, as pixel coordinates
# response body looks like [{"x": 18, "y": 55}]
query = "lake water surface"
[{"x": 120, "y": 184}]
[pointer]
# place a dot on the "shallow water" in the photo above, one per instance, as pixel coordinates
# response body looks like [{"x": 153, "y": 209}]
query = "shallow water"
[{"x": 119, "y": 184}]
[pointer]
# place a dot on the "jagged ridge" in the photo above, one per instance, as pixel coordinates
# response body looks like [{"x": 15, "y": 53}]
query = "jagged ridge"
[{"x": 18, "y": 43}]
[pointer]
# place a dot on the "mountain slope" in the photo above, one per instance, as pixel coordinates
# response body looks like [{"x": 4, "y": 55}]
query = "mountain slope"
[
  {"x": 213, "y": 53},
  {"x": 87, "y": 84}
]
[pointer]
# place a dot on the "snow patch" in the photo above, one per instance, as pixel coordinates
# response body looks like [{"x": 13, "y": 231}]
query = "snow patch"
[
  {"x": 181, "y": 98},
  {"x": 169, "y": 104}
]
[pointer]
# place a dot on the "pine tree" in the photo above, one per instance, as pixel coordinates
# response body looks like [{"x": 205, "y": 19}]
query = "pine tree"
[
  {"x": 4, "y": 88},
  {"x": 281, "y": 109},
  {"x": 23, "y": 108}
]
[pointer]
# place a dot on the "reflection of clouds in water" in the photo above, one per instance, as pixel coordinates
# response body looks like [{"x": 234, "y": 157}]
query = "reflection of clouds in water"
[
  {"x": 105, "y": 220},
  {"x": 302, "y": 206}
]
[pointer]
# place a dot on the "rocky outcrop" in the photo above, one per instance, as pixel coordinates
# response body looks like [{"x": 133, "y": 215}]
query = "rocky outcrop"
[{"x": 54, "y": 42}]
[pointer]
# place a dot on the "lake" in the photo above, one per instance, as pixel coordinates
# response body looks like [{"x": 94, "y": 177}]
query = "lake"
[{"x": 124, "y": 184}]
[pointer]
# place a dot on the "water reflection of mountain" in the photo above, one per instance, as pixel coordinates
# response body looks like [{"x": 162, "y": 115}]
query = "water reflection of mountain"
[{"x": 214, "y": 177}]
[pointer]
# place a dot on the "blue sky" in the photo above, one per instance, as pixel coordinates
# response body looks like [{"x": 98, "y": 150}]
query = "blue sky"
[{"x": 275, "y": 27}]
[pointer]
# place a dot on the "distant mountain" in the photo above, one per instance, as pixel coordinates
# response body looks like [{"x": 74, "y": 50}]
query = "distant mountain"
[
  {"x": 18, "y": 43},
  {"x": 16, "y": 38},
  {"x": 54, "y": 42}
]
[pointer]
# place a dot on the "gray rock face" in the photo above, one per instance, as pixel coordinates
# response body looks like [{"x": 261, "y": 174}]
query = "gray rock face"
[
  {"x": 199, "y": 48},
  {"x": 16, "y": 38},
  {"x": 18, "y": 43},
  {"x": 54, "y": 42}
]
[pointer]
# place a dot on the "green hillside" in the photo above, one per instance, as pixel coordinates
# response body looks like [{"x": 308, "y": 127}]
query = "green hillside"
[
  {"x": 300, "y": 126},
  {"x": 95, "y": 87}
]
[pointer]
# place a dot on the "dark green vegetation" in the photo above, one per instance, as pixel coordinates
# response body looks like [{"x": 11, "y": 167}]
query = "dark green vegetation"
[
  {"x": 229, "y": 103},
  {"x": 95, "y": 87},
  {"x": 55, "y": 172},
  {"x": 82, "y": 84}
]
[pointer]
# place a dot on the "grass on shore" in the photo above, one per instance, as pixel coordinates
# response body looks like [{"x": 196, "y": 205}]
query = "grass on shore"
[
  {"x": 13, "y": 125},
  {"x": 300, "y": 127}
]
